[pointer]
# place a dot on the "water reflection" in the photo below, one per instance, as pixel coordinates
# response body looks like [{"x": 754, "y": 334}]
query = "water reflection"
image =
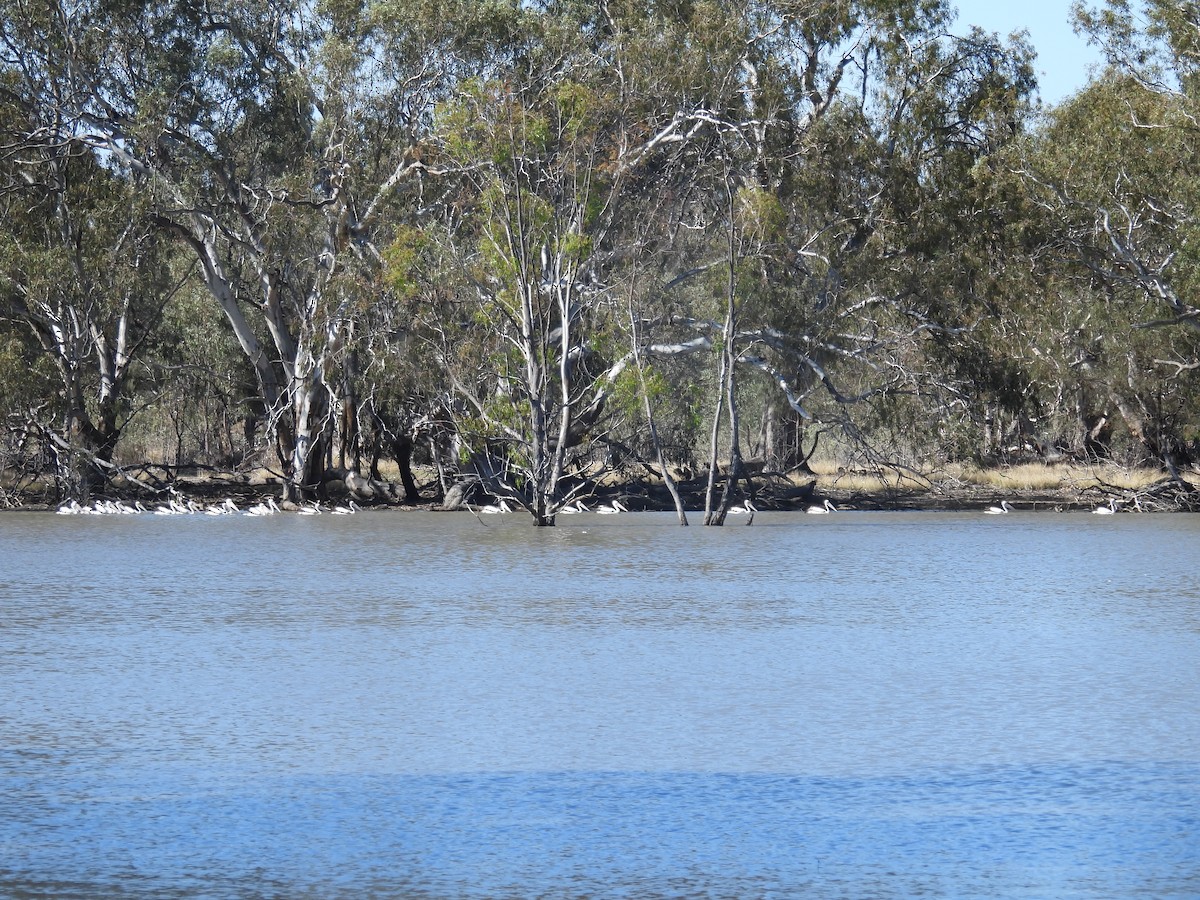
[{"x": 423, "y": 705}]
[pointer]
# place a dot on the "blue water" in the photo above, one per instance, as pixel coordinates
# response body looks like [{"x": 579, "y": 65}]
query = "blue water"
[
  {"x": 410, "y": 705},
  {"x": 1053, "y": 831}
]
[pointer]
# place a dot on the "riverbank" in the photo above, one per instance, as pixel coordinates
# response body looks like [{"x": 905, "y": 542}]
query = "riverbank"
[{"x": 1030, "y": 487}]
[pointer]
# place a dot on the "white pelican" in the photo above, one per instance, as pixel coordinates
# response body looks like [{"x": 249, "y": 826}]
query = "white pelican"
[
  {"x": 823, "y": 509},
  {"x": 746, "y": 509},
  {"x": 264, "y": 509},
  {"x": 348, "y": 510},
  {"x": 496, "y": 508},
  {"x": 611, "y": 509},
  {"x": 172, "y": 508},
  {"x": 1108, "y": 510},
  {"x": 70, "y": 508},
  {"x": 1004, "y": 508},
  {"x": 314, "y": 510}
]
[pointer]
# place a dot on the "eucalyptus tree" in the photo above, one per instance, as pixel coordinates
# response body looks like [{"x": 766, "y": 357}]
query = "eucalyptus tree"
[
  {"x": 24, "y": 403},
  {"x": 1117, "y": 166},
  {"x": 269, "y": 140},
  {"x": 840, "y": 193},
  {"x": 555, "y": 146},
  {"x": 81, "y": 267},
  {"x": 951, "y": 254},
  {"x": 786, "y": 155},
  {"x": 896, "y": 257},
  {"x": 90, "y": 285},
  {"x": 1123, "y": 196}
]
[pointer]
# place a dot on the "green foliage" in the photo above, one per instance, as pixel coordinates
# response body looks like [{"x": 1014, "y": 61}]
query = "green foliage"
[
  {"x": 760, "y": 215},
  {"x": 428, "y": 198},
  {"x": 405, "y": 262},
  {"x": 575, "y": 248},
  {"x": 627, "y": 392},
  {"x": 576, "y": 105},
  {"x": 503, "y": 413},
  {"x": 25, "y": 372}
]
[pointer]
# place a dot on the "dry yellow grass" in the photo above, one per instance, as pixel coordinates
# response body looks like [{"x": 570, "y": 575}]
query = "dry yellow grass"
[
  {"x": 832, "y": 475},
  {"x": 1025, "y": 477},
  {"x": 843, "y": 478},
  {"x": 389, "y": 470},
  {"x": 1043, "y": 477}
]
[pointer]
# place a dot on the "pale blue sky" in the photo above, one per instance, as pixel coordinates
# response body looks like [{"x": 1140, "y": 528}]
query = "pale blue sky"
[{"x": 1063, "y": 57}]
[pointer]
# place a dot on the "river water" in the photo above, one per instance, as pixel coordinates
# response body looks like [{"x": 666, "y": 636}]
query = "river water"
[{"x": 426, "y": 705}]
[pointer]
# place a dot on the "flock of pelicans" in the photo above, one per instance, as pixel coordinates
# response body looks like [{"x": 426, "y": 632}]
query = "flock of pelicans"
[
  {"x": 180, "y": 507},
  {"x": 611, "y": 509},
  {"x": 604, "y": 509},
  {"x": 177, "y": 507}
]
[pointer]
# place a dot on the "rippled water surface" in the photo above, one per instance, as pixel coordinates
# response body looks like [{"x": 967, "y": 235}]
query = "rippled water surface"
[{"x": 427, "y": 705}]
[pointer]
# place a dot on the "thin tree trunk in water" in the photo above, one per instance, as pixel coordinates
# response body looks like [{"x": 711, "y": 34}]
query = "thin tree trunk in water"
[
  {"x": 566, "y": 406},
  {"x": 725, "y": 397},
  {"x": 710, "y": 490},
  {"x": 662, "y": 465},
  {"x": 535, "y": 383},
  {"x": 537, "y": 414},
  {"x": 736, "y": 469}
]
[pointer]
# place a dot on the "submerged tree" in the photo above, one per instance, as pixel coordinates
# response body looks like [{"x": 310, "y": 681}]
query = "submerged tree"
[{"x": 553, "y": 151}]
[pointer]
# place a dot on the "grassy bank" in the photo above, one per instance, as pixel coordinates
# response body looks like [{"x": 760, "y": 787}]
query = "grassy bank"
[{"x": 1038, "y": 485}]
